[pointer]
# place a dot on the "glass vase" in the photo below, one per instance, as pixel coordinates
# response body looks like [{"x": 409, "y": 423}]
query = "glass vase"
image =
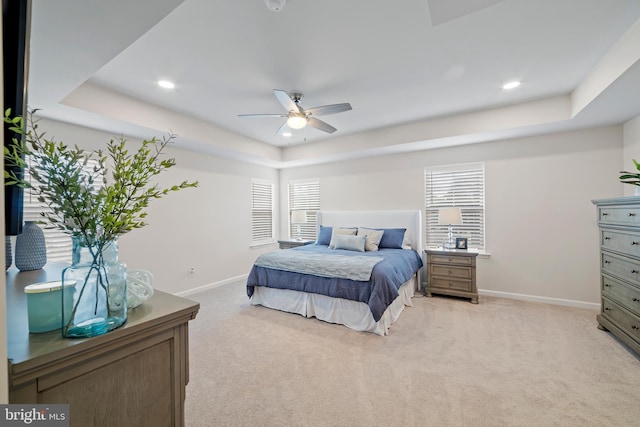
[{"x": 97, "y": 280}]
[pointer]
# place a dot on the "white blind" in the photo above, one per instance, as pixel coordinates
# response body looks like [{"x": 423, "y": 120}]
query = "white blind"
[
  {"x": 459, "y": 186},
  {"x": 304, "y": 195},
  {"x": 261, "y": 212}
]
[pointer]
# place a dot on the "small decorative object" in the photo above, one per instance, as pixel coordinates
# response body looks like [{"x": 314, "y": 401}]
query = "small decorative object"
[
  {"x": 139, "y": 287},
  {"x": 43, "y": 306},
  {"x": 632, "y": 178},
  {"x": 31, "y": 248},
  {"x": 94, "y": 208},
  {"x": 8, "y": 257},
  {"x": 461, "y": 243}
]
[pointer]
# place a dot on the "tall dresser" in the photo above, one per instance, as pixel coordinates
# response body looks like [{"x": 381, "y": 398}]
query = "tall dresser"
[{"x": 619, "y": 223}]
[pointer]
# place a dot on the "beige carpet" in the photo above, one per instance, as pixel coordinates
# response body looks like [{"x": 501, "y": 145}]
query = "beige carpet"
[{"x": 446, "y": 362}]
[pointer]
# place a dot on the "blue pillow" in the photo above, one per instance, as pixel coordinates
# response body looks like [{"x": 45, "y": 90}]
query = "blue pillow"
[
  {"x": 392, "y": 238},
  {"x": 324, "y": 236}
]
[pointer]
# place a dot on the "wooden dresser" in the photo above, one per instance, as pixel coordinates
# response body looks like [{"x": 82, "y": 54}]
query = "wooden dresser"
[
  {"x": 619, "y": 223},
  {"x": 133, "y": 376},
  {"x": 452, "y": 272}
]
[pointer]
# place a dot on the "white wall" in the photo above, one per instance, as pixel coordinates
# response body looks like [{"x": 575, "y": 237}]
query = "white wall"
[
  {"x": 541, "y": 227},
  {"x": 207, "y": 228}
]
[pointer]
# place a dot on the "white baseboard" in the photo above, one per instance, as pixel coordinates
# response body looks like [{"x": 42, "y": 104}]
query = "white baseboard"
[
  {"x": 242, "y": 278},
  {"x": 545, "y": 300}
]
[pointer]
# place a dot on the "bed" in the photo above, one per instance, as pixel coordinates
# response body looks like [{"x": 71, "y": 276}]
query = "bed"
[{"x": 365, "y": 291}]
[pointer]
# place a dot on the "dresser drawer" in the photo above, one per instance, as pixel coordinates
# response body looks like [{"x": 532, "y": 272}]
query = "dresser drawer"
[
  {"x": 623, "y": 215},
  {"x": 450, "y": 259},
  {"x": 621, "y": 293},
  {"x": 624, "y": 268},
  {"x": 451, "y": 271},
  {"x": 452, "y": 284},
  {"x": 625, "y": 320},
  {"x": 619, "y": 241}
]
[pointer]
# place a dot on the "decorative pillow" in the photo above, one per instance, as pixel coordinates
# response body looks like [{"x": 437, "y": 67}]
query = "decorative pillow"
[
  {"x": 350, "y": 242},
  {"x": 373, "y": 238},
  {"x": 392, "y": 238},
  {"x": 343, "y": 231},
  {"x": 324, "y": 236}
]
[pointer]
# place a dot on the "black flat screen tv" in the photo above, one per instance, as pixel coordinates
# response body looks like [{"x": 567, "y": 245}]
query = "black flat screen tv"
[{"x": 16, "y": 21}]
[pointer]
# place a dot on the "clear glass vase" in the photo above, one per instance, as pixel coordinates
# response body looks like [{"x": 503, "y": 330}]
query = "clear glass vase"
[{"x": 98, "y": 283}]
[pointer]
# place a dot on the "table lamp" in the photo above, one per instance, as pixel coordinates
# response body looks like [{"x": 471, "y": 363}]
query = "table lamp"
[
  {"x": 297, "y": 218},
  {"x": 450, "y": 217}
]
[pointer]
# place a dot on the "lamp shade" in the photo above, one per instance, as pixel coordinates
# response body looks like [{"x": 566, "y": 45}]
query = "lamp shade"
[
  {"x": 298, "y": 217},
  {"x": 449, "y": 216}
]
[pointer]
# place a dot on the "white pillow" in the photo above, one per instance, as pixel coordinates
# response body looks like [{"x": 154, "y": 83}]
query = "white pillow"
[
  {"x": 343, "y": 231},
  {"x": 373, "y": 238},
  {"x": 350, "y": 242}
]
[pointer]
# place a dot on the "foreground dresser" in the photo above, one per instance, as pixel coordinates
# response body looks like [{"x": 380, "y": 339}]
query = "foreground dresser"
[
  {"x": 133, "y": 376},
  {"x": 619, "y": 222},
  {"x": 452, "y": 272}
]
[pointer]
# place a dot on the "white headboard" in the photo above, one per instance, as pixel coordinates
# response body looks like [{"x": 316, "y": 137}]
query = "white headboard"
[{"x": 411, "y": 220}]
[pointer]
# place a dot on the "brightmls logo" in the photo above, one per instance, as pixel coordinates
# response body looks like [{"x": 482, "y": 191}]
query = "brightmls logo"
[{"x": 34, "y": 415}]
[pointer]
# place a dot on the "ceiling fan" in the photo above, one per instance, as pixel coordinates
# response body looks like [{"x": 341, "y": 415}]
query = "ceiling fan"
[{"x": 298, "y": 117}]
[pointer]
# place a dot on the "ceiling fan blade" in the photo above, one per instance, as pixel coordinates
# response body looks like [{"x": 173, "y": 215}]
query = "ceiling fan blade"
[
  {"x": 284, "y": 129},
  {"x": 320, "y": 125},
  {"x": 286, "y": 101},
  {"x": 325, "y": 110},
  {"x": 261, "y": 115}
]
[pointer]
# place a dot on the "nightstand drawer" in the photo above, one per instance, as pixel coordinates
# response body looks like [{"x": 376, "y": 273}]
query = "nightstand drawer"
[
  {"x": 624, "y": 268},
  {"x": 621, "y": 317},
  {"x": 452, "y": 284},
  {"x": 621, "y": 293},
  {"x": 450, "y": 259},
  {"x": 627, "y": 215},
  {"x": 618, "y": 241},
  {"x": 451, "y": 271}
]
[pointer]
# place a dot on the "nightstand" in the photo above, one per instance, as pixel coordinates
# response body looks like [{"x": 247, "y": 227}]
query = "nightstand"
[
  {"x": 452, "y": 272},
  {"x": 293, "y": 243}
]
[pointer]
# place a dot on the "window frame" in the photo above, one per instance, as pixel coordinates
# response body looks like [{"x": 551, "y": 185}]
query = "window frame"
[
  {"x": 309, "y": 201},
  {"x": 469, "y": 182}
]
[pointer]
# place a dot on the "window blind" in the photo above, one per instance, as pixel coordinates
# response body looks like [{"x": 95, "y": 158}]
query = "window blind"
[
  {"x": 304, "y": 195},
  {"x": 261, "y": 212},
  {"x": 459, "y": 186}
]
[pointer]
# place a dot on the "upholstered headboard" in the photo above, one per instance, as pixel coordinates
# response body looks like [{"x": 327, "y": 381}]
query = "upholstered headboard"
[{"x": 411, "y": 220}]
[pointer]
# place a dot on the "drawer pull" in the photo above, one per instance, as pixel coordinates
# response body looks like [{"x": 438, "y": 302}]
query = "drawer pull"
[
  {"x": 607, "y": 309},
  {"x": 636, "y": 300},
  {"x": 606, "y": 261},
  {"x": 631, "y": 214},
  {"x": 607, "y": 238},
  {"x": 634, "y": 327},
  {"x": 634, "y": 271},
  {"x": 634, "y": 243},
  {"x": 605, "y": 213},
  {"x": 606, "y": 285}
]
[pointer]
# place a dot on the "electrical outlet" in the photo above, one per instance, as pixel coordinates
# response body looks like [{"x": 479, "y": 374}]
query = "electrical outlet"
[{"x": 192, "y": 272}]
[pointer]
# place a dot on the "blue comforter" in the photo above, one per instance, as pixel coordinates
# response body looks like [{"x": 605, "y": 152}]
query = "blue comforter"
[{"x": 398, "y": 266}]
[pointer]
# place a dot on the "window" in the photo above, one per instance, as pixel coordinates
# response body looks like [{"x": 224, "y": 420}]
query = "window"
[
  {"x": 58, "y": 243},
  {"x": 304, "y": 195},
  {"x": 459, "y": 186},
  {"x": 261, "y": 212}
]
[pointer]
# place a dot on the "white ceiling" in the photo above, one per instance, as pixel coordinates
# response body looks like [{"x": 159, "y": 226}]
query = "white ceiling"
[{"x": 420, "y": 73}]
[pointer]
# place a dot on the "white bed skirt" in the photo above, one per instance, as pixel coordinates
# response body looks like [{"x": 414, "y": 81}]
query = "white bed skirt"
[{"x": 355, "y": 315}]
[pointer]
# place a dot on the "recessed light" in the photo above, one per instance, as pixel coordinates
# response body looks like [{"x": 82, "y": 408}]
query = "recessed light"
[
  {"x": 166, "y": 84},
  {"x": 287, "y": 134},
  {"x": 511, "y": 85}
]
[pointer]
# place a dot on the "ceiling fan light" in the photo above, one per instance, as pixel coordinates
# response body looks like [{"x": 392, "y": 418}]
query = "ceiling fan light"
[{"x": 297, "y": 122}]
